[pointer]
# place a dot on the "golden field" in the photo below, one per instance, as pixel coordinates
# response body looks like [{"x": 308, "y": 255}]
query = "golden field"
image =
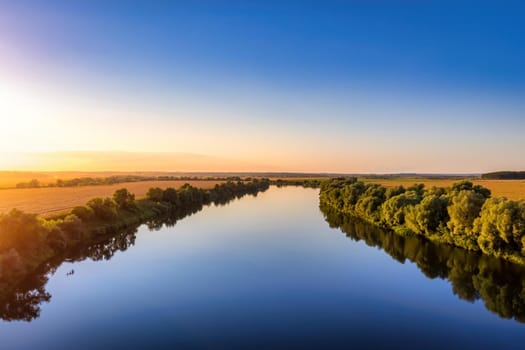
[
  {"x": 50, "y": 200},
  {"x": 512, "y": 189},
  {"x": 9, "y": 179}
]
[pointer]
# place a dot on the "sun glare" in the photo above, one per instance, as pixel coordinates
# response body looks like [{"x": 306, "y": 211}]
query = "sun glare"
[{"x": 28, "y": 120}]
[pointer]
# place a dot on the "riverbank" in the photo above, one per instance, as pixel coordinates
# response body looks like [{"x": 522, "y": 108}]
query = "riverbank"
[
  {"x": 472, "y": 275},
  {"x": 464, "y": 215},
  {"x": 28, "y": 241}
]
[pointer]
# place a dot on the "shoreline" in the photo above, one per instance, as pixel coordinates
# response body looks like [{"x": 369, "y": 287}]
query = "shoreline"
[
  {"x": 463, "y": 215},
  {"x": 31, "y": 241}
]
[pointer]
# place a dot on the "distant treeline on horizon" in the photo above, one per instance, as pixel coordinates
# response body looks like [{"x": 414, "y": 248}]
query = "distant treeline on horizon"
[
  {"x": 504, "y": 175},
  {"x": 116, "y": 179}
]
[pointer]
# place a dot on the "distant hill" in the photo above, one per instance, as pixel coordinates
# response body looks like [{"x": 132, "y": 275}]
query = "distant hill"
[{"x": 504, "y": 175}]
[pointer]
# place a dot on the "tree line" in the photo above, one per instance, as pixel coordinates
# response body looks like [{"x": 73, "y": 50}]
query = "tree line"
[
  {"x": 116, "y": 179},
  {"x": 28, "y": 240},
  {"x": 504, "y": 175},
  {"x": 463, "y": 215},
  {"x": 306, "y": 183}
]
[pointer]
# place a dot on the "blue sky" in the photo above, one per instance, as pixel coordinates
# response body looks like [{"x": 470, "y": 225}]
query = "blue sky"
[{"x": 354, "y": 86}]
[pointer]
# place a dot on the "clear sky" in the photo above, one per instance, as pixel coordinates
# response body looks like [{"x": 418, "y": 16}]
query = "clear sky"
[{"x": 335, "y": 86}]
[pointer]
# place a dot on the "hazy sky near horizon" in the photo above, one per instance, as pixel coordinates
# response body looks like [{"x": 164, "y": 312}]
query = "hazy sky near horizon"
[{"x": 346, "y": 86}]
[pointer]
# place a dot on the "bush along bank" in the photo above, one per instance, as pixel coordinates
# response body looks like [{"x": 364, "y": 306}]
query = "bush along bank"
[
  {"x": 27, "y": 240},
  {"x": 463, "y": 215}
]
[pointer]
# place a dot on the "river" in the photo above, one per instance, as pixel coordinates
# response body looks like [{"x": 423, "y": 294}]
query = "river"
[{"x": 266, "y": 272}]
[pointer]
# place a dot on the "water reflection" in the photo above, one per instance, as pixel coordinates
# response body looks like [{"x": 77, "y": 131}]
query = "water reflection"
[
  {"x": 22, "y": 300},
  {"x": 499, "y": 284},
  {"x": 473, "y": 276}
]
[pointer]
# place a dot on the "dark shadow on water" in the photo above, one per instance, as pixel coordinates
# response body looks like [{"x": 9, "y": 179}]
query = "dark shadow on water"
[{"x": 473, "y": 276}]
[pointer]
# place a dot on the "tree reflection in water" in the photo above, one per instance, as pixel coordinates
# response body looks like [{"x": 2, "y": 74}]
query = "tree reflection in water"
[
  {"x": 21, "y": 301},
  {"x": 473, "y": 276}
]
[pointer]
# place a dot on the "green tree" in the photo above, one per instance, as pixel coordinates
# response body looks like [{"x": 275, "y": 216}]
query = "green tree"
[
  {"x": 103, "y": 208},
  {"x": 469, "y": 186},
  {"x": 368, "y": 204},
  {"x": 427, "y": 216},
  {"x": 84, "y": 213},
  {"x": 124, "y": 199},
  {"x": 501, "y": 226},
  {"x": 21, "y": 231},
  {"x": 464, "y": 208},
  {"x": 72, "y": 227},
  {"x": 436, "y": 191},
  {"x": 394, "y": 191},
  {"x": 170, "y": 195},
  {"x": 155, "y": 194},
  {"x": 417, "y": 188},
  {"x": 393, "y": 209},
  {"x": 350, "y": 194}
]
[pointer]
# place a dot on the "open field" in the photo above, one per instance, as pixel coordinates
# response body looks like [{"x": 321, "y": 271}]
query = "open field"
[
  {"x": 9, "y": 179},
  {"x": 512, "y": 189},
  {"x": 54, "y": 199}
]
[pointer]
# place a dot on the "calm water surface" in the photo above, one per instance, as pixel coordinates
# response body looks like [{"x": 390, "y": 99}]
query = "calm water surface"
[{"x": 261, "y": 272}]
